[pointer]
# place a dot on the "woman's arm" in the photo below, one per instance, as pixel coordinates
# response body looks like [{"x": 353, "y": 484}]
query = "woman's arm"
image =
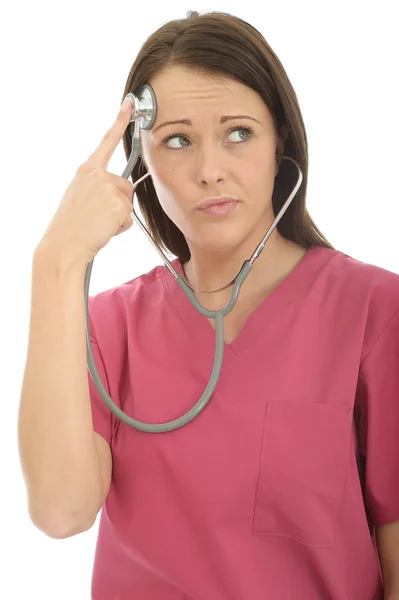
[{"x": 388, "y": 549}]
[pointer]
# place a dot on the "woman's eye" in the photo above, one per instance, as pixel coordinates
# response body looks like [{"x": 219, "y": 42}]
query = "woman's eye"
[
  {"x": 240, "y": 138},
  {"x": 248, "y": 131},
  {"x": 178, "y": 136}
]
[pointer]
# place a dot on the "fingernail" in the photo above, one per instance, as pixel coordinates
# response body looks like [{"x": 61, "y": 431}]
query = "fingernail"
[{"x": 127, "y": 103}]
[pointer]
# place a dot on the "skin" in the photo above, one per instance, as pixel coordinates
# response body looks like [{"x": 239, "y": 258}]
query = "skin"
[{"x": 207, "y": 160}]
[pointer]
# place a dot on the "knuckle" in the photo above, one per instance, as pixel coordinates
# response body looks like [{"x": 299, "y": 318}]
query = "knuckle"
[
  {"x": 83, "y": 169},
  {"x": 128, "y": 186},
  {"x": 87, "y": 170},
  {"x": 98, "y": 174},
  {"x": 118, "y": 199}
]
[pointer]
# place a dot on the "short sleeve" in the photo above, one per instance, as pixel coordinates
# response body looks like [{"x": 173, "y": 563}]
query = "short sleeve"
[
  {"x": 377, "y": 400},
  {"x": 101, "y": 414}
]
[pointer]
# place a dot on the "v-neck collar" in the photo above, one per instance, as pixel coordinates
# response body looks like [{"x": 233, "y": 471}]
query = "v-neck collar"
[{"x": 285, "y": 292}]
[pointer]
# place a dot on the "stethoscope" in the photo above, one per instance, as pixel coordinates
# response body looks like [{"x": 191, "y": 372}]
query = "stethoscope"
[{"x": 143, "y": 116}]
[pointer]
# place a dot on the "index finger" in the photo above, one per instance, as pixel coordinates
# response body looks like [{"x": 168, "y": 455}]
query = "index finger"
[{"x": 102, "y": 155}]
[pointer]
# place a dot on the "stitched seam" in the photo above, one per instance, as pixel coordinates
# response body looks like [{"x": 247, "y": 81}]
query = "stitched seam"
[{"x": 378, "y": 337}]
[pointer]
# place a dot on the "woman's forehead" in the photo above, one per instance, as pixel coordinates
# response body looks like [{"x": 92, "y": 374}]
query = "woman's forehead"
[
  {"x": 182, "y": 81},
  {"x": 182, "y": 93}
]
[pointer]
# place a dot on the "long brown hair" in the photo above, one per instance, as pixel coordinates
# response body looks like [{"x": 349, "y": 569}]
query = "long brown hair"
[{"x": 221, "y": 44}]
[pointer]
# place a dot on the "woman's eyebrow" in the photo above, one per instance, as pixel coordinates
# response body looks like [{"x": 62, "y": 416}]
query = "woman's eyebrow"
[{"x": 222, "y": 120}]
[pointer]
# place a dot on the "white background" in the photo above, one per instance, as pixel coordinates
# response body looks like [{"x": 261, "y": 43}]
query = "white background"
[{"x": 63, "y": 71}]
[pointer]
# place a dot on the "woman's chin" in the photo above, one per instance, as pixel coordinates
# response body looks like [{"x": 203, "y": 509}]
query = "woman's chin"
[{"x": 218, "y": 246}]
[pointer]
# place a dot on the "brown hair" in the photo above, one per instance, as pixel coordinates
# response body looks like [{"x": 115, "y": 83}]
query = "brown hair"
[{"x": 221, "y": 44}]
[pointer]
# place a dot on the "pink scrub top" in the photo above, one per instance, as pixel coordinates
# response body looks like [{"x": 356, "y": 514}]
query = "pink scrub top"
[{"x": 275, "y": 489}]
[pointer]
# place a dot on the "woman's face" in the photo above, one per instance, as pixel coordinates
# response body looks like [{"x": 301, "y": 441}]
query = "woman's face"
[{"x": 211, "y": 157}]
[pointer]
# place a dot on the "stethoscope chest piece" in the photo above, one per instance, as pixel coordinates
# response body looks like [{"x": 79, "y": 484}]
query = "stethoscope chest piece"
[{"x": 144, "y": 106}]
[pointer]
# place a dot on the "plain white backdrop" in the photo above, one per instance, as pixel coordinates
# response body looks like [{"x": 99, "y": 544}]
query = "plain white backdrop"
[{"x": 63, "y": 71}]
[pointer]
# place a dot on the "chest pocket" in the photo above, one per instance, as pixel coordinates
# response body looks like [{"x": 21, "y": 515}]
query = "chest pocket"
[{"x": 302, "y": 472}]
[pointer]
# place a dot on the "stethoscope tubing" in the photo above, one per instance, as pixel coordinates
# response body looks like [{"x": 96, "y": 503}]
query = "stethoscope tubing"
[{"x": 217, "y": 315}]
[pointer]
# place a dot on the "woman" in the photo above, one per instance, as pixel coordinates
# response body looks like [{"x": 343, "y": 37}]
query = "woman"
[{"x": 279, "y": 488}]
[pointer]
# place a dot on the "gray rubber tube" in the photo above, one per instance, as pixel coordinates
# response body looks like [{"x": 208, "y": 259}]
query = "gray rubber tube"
[{"x": 218, "y": 316}]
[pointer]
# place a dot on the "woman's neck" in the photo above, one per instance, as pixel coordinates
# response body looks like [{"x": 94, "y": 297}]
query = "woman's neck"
[{"x": 205, "y": 272}]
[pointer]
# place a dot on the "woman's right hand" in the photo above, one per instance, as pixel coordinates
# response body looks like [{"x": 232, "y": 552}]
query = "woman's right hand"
[{"x": 96, "y": 206}]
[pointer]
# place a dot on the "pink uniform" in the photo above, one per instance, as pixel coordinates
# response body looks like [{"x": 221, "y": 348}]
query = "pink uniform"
[{"x": 273, "y": 492}]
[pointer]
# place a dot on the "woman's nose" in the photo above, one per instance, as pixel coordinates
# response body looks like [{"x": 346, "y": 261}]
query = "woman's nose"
[{"x": 211, "y": 163}]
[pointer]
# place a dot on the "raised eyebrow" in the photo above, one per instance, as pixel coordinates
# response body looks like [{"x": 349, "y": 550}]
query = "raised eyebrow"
[{"x": 222, "y": 120}]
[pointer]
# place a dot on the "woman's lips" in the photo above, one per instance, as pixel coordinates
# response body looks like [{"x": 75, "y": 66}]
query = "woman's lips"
[{"x": 223, "y": 208}]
